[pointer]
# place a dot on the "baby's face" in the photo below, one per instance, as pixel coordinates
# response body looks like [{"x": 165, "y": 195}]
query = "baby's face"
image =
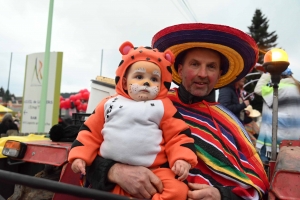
[{"x": 143, "y": 81}]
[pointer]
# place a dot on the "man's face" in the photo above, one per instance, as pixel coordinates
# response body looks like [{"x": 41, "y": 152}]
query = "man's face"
[
  {"x": 200, "y": 71},
  {"x": 143, "y": 81}
]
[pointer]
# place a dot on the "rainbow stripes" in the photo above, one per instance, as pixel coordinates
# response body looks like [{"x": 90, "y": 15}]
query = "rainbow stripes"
[{"x": 226, "y": 157}]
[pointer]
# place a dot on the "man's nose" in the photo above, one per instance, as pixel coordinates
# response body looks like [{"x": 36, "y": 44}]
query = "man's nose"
[
  {"x": 202, "y": 72},
  {"x": 146, "y": 84}
]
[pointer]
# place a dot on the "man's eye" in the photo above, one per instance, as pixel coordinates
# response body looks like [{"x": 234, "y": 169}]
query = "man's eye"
[
  {"x": 139, "y": 77},
  {"x": 212, "y": 66},
  {"x": 195, "y": 64}
]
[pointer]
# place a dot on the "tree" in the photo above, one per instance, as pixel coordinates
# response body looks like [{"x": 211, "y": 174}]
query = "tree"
[
  {"x": 7, "y": 96},
  {"x": 2, "y": 92},
  {"x": 259, "y": 32},
  {"x": 265, "y": 41}
]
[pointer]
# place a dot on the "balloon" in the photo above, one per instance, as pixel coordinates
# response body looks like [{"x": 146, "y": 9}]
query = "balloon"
[
  {"x": 84, "y": 106},
  {"x": 78, "y": 96},
  {"x": 67, "y": 103},
  {"x": 72, "y": 98},
  {"x": 62, "y": 104},
  {"x": 79, "y": 107},
  {"x": 85, "y": 96},
  {"x": 77, "y": 102}
]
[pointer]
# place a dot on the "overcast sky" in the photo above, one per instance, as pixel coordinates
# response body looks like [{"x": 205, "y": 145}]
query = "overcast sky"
[{"x": 82, "y": 28}]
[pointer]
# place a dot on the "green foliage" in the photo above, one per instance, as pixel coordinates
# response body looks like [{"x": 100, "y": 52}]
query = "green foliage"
[
  {"x": 67, "y": 95},
  {"x": 2, "y": 92},
  {"x": 259, "y": 32},
  {"x": 7, "y": 96},
  {"x": 265, "y": 41}
]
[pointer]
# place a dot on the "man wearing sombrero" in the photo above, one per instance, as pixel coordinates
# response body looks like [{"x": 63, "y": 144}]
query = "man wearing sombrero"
[{"x": 208, "y": 57}]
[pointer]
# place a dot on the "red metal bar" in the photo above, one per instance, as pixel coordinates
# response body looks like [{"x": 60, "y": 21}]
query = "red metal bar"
[{"x": 47, "y": 152}]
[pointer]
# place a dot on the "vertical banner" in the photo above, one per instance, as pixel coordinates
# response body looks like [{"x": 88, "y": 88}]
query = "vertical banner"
[{"x": 33, "y": 89}]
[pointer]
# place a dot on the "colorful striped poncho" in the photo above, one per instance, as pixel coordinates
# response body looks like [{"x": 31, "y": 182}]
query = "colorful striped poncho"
[
  {"x": 226, "y": 156},
  {"x": 288, "y": 112}
]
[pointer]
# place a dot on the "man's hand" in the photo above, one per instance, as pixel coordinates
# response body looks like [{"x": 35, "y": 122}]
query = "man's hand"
[
  {"x": 78, "y": 165},
  {"x": 138, "y": 181},
  {"x": 181, "y": 168},
  {"x": 203, "y": 192}
]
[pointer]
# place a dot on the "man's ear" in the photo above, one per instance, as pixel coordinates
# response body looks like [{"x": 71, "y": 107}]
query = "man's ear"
[
  {"x": 124, "y": 83},
  {"x": 180, "y": 70},
  {"x": 220, "y": 73}
]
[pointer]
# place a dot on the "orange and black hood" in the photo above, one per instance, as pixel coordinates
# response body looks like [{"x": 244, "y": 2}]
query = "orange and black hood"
[{"x": 133, "y": 54}]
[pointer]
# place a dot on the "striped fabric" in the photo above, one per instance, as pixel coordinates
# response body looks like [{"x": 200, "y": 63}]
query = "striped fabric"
[
  {"x": 226, "y": 156},
  {"x": 288, "y": 112}
]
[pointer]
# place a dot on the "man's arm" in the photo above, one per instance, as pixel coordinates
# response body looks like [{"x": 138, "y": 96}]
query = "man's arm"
[
  {"x": 97, "y": 172},
  {"x": 138, "y": 181}
]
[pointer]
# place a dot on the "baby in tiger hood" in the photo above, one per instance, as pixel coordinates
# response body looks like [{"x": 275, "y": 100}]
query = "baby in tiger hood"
[{"x": 139, "y": 125}]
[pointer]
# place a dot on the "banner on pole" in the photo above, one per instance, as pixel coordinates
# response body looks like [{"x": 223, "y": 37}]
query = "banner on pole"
[{"x": 33, "y": 89}]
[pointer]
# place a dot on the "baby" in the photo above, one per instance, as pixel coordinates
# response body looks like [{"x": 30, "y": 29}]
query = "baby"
[{"x": 140, "y": 125}]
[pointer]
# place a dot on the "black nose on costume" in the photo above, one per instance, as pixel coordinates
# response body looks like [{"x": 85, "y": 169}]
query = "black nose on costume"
[{"x": 146, "y": 84}]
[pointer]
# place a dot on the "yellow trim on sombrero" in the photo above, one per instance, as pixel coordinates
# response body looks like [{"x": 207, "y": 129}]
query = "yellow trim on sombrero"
[{"x": 236, "y": 63}]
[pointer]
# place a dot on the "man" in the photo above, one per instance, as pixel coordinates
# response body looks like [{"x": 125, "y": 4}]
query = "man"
[
  {"x": 232, "y": 98},
  {"x": 208, "y": 57}
]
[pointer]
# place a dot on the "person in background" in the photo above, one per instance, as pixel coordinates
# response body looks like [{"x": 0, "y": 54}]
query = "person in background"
[
  {"x": 8, "y": 124},
  {"x": 232, "y": 97},
  {"x": 288, "y": 112},
  {"x": 139, "y": 125},
  {"x": 17, "y": 122},
  {"x": 252, "y": 128},
  {"x": 207, "y": 57}
]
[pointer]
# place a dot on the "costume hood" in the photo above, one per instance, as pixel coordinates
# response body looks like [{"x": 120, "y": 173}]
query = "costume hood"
[{"x": 132, "y": 54}]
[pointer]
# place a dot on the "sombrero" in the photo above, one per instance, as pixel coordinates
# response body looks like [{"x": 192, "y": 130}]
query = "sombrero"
[
  {"x": 238, "y": 48},
  {"x": 253, "y": 113}
]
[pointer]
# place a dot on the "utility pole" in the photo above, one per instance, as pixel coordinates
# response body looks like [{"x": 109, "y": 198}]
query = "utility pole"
[
  {"x": 101, "y": 62},
  {"x": 42, "y": 112},
  {"x": 9, "y": 71}
]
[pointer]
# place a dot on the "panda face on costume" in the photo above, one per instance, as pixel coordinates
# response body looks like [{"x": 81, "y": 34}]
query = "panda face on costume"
[{"x": 143, "y": 81}]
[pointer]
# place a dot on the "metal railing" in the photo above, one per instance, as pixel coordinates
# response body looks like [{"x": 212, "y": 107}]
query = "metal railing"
[{"x": 58, "y": 187}]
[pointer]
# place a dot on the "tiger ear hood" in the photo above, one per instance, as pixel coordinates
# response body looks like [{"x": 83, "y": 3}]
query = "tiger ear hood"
[{"x": 131, "y": 54}]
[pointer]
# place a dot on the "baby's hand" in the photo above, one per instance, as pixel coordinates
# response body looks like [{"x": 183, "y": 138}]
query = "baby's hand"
[
  {"x": 78, "y": 165},
  {"x": 181, "y": 168}
]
